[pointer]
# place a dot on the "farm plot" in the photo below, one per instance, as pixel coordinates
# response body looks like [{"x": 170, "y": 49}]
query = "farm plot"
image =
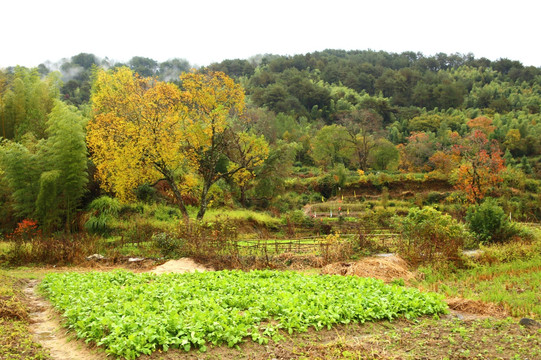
[{"x": 132, "y": 314}]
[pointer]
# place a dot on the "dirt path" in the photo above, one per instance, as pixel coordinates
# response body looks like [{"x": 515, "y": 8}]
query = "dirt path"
[{"x": 48, "y": 331}]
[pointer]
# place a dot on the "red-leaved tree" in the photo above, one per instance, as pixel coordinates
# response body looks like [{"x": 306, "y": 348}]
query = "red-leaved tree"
[{"x": 481, "y": 171}]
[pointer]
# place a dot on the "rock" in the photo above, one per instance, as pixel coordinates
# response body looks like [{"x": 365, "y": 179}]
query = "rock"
[
  {"x": 529, "y": 323},
  {"x": 95, "y": 257},
  {"x": 136, "y": 259}
]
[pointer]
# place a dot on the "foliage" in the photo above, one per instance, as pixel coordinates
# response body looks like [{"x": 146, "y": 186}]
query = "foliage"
[
  {"x": 67, "y": 156},
  {"x": 489, "y": 222},
  {"x": 135, "y": 136},
  {"x": 211, "y": 102},
  {"x": 130, "y": 314},
  {"x": 103, "y": 210},
  {"x": 429, "y": 235},
  {"x": 169, "y": 245},
  {"x": 481, "y": 171}
]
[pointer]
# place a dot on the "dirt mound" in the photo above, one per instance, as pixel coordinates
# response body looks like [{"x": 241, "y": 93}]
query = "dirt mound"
[
  {"x": 181, "y": 265},
  {"x": 386, "y": 268},
  {"x": 476, "y": 307}
]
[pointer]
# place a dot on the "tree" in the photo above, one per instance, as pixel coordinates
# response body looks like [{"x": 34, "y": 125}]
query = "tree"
[
  {"x": 27, "y": 103},
  {"x": 328, "y": 146},
  {"x": 67, "y": 158},
  {"x": 212, "y": 101},
  {"x": 143, "y": 66},
  {"x": 384, "y": 155},
  {"x": 481, "y": 170},
  {"x": 136, "y": 135},
  {"x": 360, "y": 126}
]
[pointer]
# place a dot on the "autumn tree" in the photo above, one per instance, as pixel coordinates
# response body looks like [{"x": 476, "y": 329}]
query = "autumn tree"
[
  {"x": 136, "y": 134},
  {"x": 211, "y": 103},
  {"x": 481, "y": 168}
]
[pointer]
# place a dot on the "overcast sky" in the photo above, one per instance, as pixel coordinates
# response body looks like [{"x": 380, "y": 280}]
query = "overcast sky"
[{"x": 205, "y": 31}]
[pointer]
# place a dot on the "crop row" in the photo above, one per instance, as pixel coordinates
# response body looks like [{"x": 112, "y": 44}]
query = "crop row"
[{"x": 132, "y": 314}]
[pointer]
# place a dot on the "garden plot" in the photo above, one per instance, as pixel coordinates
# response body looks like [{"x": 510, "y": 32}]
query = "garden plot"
[{"x": 131, "y": 314}]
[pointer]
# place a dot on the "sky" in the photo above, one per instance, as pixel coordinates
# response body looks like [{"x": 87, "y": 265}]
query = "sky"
[{"x": 206, "y": 31}]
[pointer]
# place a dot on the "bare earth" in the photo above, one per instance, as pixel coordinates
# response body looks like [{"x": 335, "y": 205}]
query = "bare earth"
[{"x": 181, "y": 265}]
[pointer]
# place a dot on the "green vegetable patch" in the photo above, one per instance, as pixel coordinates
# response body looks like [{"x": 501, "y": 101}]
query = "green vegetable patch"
[{"x": 132, "y": 314}]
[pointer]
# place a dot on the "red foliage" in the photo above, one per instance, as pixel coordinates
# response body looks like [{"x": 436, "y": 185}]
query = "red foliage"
[
  {"x": 482, "y": 172},
  {"x": 26, "y": 230}
]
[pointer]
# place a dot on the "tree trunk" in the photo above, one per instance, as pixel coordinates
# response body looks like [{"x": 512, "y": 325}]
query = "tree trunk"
[
  {"x": 178, "y": 196},
  {"x": 203, "y": 201},
  {"x": 243, "y": 195}
]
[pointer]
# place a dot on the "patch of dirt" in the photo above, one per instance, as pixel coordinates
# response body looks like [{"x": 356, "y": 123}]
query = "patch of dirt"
[
  {"x": 476, "y": 307},
  {"x": 47, "y": 330},
  {"x": 181, "y": 265},
  {"x": 386, "y": 268}
]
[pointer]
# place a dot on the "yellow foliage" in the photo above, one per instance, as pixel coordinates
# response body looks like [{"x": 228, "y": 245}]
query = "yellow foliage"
[{"x": 135, "y": 134}]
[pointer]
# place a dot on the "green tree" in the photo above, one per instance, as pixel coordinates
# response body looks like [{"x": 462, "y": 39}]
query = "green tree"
[
  {"x": 384, "y": 155},
  {"x": 328, "y": 147},
  {"x": 67, "y": 154}
]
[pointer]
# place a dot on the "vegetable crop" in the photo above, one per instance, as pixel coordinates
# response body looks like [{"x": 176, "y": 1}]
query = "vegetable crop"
[{"x": 131, "y": 314}]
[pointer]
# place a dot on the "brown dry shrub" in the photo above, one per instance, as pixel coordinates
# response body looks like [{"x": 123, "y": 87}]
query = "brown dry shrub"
[
  {"x": 11, "y": 308},
  {"x": 53, "y": 249}
]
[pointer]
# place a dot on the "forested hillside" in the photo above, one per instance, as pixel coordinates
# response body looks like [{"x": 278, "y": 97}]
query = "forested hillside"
[{"x": 273, "y": 125}]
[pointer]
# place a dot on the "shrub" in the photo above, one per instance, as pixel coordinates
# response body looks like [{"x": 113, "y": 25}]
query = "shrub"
[
  {"x": 103, "y": 210},
  {"x": 435, "y": 197},
  {"x": 489, "y": 223},
  {"x": 300, "y": 218},
  {"x": 429, "y": 235},
  {"x": 145, "y": 193},
  {"x": 168, "y": 245}
]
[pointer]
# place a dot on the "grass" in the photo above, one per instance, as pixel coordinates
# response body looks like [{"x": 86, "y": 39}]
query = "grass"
[
  {"x": 259, "y": 218},
  {"x": 508, "y": 275}
]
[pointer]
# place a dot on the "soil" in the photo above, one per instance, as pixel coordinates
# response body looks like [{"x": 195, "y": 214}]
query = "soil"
[
  {"x": 181, "y": 265},
  {"x": 386, "y": 268}
]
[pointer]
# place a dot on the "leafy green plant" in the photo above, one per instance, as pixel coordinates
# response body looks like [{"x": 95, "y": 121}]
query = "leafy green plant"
[
  {"x": 131, "y": 314},
  {"x": 489, "y": 223},
  {"x": 169, "y": 245},
  {"x": 429, "y": 235},
  {"x": 103, "y": 210}
]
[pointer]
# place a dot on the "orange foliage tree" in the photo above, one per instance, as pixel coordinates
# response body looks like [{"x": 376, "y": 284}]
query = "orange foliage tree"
[{"x": 482, "y": 167}]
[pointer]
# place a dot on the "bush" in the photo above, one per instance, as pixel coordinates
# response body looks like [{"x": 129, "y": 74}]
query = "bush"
[
  {"x": 435, "y": 197},
  {"x": 168, "y": 245},
  {"x": 146, "y": 193},
  {"x": 429, "y": 235},
  {"x": 489, "y": 223},
  {"x": 103, "y": 210}
]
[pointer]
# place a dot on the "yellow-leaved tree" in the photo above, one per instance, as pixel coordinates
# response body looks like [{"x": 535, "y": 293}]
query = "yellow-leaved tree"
[
  {"x": 136, "y": 135},
  {"x": 144, "y": 130},
  {"x": 214, "y": 135}
]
